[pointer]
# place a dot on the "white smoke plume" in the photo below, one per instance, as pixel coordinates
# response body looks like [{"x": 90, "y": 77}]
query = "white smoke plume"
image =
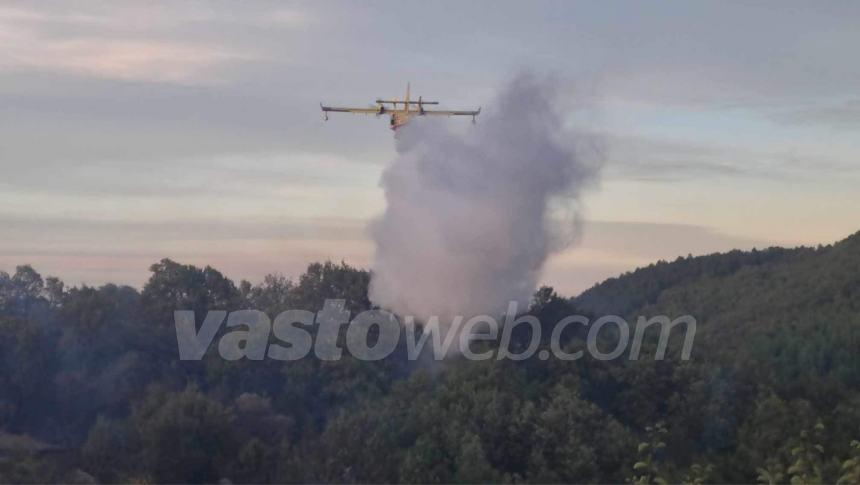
[{"x": 468, "y": 223}]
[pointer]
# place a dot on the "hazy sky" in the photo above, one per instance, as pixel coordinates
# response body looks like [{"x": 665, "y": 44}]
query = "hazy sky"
[{"x": 131, "y": 132}]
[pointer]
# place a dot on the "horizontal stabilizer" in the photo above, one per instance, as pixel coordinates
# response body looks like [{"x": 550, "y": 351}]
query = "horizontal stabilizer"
[{"x": 387, "y": 101}]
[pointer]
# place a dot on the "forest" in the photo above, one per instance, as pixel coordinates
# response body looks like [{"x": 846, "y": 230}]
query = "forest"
[{"x": 92, "y": 389}]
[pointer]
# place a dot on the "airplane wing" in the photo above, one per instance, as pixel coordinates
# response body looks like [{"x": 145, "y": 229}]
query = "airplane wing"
[
  {"x": 350, "y": 110},
  {"x": 450, "y": 113}
]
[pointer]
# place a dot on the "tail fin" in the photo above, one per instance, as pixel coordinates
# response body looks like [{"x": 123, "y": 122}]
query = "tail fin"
[{"x": 406, "y": 105}]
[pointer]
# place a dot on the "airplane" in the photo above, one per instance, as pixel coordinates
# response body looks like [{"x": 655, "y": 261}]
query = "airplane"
[{"x": 399, "y": 116}]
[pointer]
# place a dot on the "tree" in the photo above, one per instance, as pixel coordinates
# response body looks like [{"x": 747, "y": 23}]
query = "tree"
[
  {"x": 471, "y": 462},
  {"x": 21, "y": 293},
  {"x": 107, "y": 451},
  {"x": 328, "y": 280},
  {"x": 185, "y": 436},
  {"x": 646, "y": 470},
  {"x": 850, "y": 472},
  {"x": 175, "y": 286}
]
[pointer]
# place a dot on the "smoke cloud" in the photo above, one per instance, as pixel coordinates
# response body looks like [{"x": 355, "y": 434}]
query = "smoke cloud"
[{"x": 471, "y": 217}]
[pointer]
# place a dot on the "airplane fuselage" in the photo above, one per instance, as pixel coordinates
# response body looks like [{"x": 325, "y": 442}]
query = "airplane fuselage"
[{"x": 398, "y": 120}]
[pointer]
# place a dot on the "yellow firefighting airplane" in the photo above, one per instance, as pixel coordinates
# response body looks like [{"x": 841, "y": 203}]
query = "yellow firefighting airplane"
[{"x": 399, "y": 116}]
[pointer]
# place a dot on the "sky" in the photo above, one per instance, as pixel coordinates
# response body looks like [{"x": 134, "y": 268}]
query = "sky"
[{"x": 134, "y": 131}]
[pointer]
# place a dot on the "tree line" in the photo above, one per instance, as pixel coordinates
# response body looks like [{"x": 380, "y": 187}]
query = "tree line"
[{"x": 92, "y": 390}]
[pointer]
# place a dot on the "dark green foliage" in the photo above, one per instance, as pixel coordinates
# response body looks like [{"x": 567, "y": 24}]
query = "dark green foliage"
[
  {"x": 643, "y": 286},
  {"x": 184, "y": 437},
  {"x": 771, "y": 394},
  {"x": 175, "y": 286}
]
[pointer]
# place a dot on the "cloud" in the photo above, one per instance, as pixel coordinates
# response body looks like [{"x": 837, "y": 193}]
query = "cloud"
[
  {"x": 644, "y": 158},
  {"x": 152, "y": 61},
  {"x": 650, "y": 241},
  {"x": 93, "y": 251},
  {"x": 656, "y": 159},
  {"x": 835, "y": 114},
  {"x": 261, "y": 176},
  {"x": 131, "y": 42},
  {"x": 31, "y": 230}
]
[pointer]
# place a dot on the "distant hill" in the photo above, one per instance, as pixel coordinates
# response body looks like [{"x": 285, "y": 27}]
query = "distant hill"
[
  {"x": 796, "y": 311},
  {"x": 643, "y": 286}
]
